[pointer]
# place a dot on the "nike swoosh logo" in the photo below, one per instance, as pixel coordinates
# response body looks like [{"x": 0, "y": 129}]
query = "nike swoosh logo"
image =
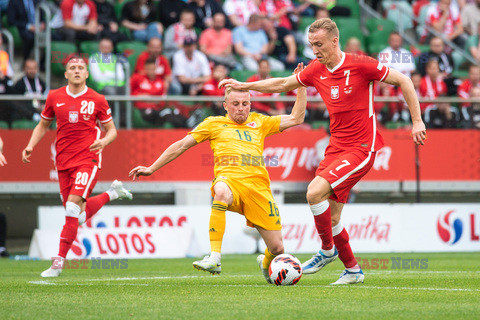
[
  {"x": 60, "y": 104},
  {"x": 323, "y": 78},
  {"x": 331, "y": 172},
  {"x": 77, "y": 188}
]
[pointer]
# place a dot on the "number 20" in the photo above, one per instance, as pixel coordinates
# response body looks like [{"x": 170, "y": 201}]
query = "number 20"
[
  {"x": 87, "y": 107},
  {"x": 82, "y": 178}
]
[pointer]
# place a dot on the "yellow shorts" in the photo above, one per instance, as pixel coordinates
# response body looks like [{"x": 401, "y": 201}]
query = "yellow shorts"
[{"x": 253, "y": 199}]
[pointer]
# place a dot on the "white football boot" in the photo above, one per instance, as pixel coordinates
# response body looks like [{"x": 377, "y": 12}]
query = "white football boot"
[
  {"x": 122, "y": 193},
  {"x": 208, "y": 264},
  {"x": 317, "y": 262},
  {"x": 264, "y": 271},
  {"x": 54, "y": 270},
  {"x": 349, "y": 277}
]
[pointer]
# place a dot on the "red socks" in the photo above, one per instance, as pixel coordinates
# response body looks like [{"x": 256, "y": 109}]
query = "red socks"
[
  {"x": 345, "y": 253},
  {"x": 323, "y": 222},
  {"x": 96, "y": 203}
]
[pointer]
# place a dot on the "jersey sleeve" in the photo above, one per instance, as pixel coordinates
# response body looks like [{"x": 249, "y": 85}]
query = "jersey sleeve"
[
  {"x": 202, "y": 132},
  {"x": 66, "y": 8},
  {"x": 104, "y": 111},
  {"x": 48, "y": 113},
  {"x": 270, "y": 125},
  {"x": 372, "y": 69},
  {"x": 305, "y": 76}
]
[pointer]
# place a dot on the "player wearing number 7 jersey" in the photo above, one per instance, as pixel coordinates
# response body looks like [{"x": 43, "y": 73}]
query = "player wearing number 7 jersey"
[
  {"x": 78, "y": 152},
  {"x": 345, "y": 83},
  {"x": 241, "y": 181}
]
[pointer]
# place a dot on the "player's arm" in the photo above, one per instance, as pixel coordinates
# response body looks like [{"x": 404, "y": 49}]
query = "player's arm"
[
  {"x": 37, "y": 135},
  {"x": 297, "y": 115},
  {"x": 170, "y": 154},
  {"x": 398, "y": 79},
  {"x": 3, "y": 161},
  {"x": 272, "y": 85},
  {"x": 110, "y": 135}
]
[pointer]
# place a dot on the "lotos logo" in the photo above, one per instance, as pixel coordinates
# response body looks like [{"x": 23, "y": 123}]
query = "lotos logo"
[
  {"x": 82, "y": 249},
  {"x": 448, "y": 230}
]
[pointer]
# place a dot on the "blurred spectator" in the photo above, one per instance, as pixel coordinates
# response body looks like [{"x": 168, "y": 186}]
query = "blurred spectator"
[
  {"x": 107, "y": 22},
  {"x": 438, "y": 53},
  {"x": 445, "y": 18},
  {"x": 138, "y": 16},
  {"x": 464, "y": 89},
  {"x": 162, "y": 66},
  {"x": 353, "y": 46},
  {"x": 210, "y": 88},
  {"x": 386, "y": 110},
  {"x": 21, "y": 14},
  {"x": 252, "y": 45},
  {"x": 442, "y": 116},
  {"x": 169, "y": 11},
  {"x": 416, "y": 80},
  {"x": 282, "y": 13},
  {"x": 307, "y": 49},
  {"x": 473, "y": 45},
  {"x": 3, "y": 222},
  {"x": 178, "y": 32},
  {"x": 281, "y": 44},
  {"x": 331, "y": 6},
  {"x": 80, "y": 20},
  {"x": 148, "y": 83},
  {"x": 471, "y": 17},
  {"x": 396, "y": 57},
  {"x": 473, "y": 111},
  {"x": 105, "y": 70},
  {"x": 190, "y": 69},
  {"x": 432, "y": 85},
  {"x": 268, "y": 108},
  {"x": 56, "y": 23},
  {"x": 29, "y": 85},
  {"x": 239, "y": 11},
  {"x": 6, "y": 86},
  {"x": 417, "y": 8},
  {"x": 216, "y": 42},
  {"x": 205, "y": 10}
]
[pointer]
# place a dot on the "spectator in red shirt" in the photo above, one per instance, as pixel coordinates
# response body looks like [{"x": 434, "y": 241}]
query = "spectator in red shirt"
[
  {"x": 278, "y": 11},
  {"x": 210, "y": 88},
  {"x": 353, "y": 45},
  {"x": 148, "y": 83},
  {"x": 162, "y": 66},
  {"x": 80, "y": 20},
  {"x": 268, "y": 108},
  {"x": 464, "y": 89},
  {"x": 445, "y": 18},
  {"x": 432, "y": 85},
  {"x": 176, "y": 34},
  {"x": 216, "y": 42}
]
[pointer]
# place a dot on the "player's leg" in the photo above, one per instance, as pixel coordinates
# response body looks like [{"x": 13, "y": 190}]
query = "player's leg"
[
  {"x": 318, "y": 193},
  {"x": 116, "y": 191},
  {"x": 274, "y": 241},
  {"x": 223, "y": 197}
]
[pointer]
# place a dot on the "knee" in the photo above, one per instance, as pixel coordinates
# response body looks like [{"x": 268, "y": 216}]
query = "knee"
[
  {"x": 221, "y": 195},
  {"x": 335, "y": 221},
  {"x": 276, "y": 248}
]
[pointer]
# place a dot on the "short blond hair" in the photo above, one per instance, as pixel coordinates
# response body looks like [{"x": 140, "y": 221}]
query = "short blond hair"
[
  {"x": 229, "y": 90},
  {"x": 326, "y": 24}
]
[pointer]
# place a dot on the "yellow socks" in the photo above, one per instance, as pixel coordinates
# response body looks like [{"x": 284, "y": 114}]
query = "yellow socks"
[
  {"x": 217, "y": 225},
  {"x": 268, "y": 258}
]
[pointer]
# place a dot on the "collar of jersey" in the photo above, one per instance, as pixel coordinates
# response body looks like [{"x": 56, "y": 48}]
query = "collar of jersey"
[
  {"x": 339, "y": 64},
  {"x": 78, "y": 94}
]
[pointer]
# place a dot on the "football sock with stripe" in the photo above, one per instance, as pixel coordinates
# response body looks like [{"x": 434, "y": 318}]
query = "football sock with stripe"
[
  {"x": 70, "y": 228},
  {"x": 96, "y": 203},
  {"x": 323, "y": 222},
  {"x": 345, "y": 253},
  {"x": 217, "y": 225},
  {"x": 268, "y": 259}
]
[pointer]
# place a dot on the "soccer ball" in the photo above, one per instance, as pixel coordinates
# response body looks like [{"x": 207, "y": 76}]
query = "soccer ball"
[{"x": 285, "y": 270}]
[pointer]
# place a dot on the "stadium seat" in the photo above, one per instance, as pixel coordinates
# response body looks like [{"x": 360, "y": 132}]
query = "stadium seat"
[
  {"x": 305, "y": 22},
  {"x": 131, "y": 49},
  {"x": 400, "y": 12},
  {"x": 241, "y": 75},
  {"x": 89, "y": 47},
  {"x": 23, "y": 124},
  {"x": 376, "y": 25},
  {"x": 348, "y": 32},
  {"x": 396, "y": 125},
  {"x": 378, "y": 41},
  {"x": 352, "y": 4},
  {"x": 281, "y": 74},
  {"x": 3, "y": 125},
  {"x": 17, "y": 40},
  {"x": 320, "y": 124},
  {"x": 60, "y": 50},
  {"x": 138, "y": 121},
  {"x": 345, "y": 22}
]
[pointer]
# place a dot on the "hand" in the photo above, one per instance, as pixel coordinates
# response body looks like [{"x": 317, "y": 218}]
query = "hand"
[
  {"x": 419, "y": 133},
  {"x": 140, "y": 171},
  {"x": 3, "y": 161},
  {"x": 27, "y": 152},
  {"x": 113, "y": 26},
  {"x": 291, "y": 57},
  {"x": 299, "y": 68},
  {"x": 92, "y": 28},
  {"x": 232, "y": 83},
  {"x": 98, "y": 145}
]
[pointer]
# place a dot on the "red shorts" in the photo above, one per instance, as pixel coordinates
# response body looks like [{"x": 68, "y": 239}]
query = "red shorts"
[
  {"x": 343, "y": 169},
  {"x": 79, "y": 181}
]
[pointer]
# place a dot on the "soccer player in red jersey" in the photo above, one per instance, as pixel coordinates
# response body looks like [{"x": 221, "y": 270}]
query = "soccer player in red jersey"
[
  {"x": 79, "y": 146},
  {"x": 345, "y": 82}
]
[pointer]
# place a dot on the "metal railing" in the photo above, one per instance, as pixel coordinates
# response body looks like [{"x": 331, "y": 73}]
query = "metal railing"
[
  {"x": 43, "y": 40},
  {"x": 10, "y": 44}
]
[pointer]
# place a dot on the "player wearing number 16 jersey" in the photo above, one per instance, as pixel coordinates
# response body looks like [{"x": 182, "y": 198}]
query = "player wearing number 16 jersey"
[
  {"x": 78, "y": 152},
  {"x": 345, "y": 83}
]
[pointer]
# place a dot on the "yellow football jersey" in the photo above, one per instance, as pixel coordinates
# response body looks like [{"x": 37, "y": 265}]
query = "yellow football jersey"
[{"x": 237, "y": 148}]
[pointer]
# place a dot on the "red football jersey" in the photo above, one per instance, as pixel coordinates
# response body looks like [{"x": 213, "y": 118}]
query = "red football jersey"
[
  {"x": 77, "y": 128},
  {"x": 347, "y": 91}
]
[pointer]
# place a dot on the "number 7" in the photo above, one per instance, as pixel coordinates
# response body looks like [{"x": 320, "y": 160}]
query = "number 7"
[
  {"x": 345, "y": 163},
  {"x": 347, "y": 73}
]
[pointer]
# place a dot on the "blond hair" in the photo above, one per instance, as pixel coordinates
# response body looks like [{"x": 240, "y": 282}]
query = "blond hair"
[
  {"x": 326, "y": 24},
  {"x": 229, "y": 90}
]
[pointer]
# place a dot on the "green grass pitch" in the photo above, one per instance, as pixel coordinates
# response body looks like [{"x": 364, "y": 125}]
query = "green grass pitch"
[{"x": 172, "y": 289}]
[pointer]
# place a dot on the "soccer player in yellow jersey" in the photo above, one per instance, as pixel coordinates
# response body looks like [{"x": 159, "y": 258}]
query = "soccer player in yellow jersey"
[{"x": 241, "y": 181}]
